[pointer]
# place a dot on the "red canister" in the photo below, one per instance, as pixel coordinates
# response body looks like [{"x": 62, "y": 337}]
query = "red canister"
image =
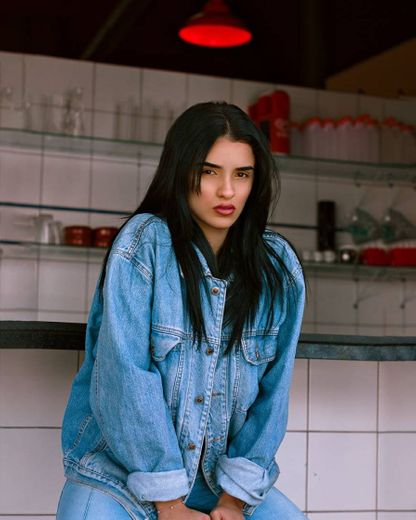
[{"x": 279, "y": 122}]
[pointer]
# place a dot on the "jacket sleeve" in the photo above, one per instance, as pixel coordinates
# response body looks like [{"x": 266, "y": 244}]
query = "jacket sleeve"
[
  {"x": 248, "y": 469},
  {"x": 126, "y": 394}
]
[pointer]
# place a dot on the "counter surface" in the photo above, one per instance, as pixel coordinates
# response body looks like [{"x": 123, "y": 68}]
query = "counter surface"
[{"x": 71, "y": 336}]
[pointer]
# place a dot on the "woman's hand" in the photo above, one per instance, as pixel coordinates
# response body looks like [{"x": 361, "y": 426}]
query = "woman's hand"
[
  {"x": 228, "y": 508},
  {"x": 179, "y": 512}
]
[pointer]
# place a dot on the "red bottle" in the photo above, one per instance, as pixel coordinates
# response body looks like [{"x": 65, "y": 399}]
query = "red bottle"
[{"x": 279, "y": 122}]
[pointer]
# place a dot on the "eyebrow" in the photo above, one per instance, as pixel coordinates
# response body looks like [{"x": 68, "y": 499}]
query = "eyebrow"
[{"x": 241, "y": 168}]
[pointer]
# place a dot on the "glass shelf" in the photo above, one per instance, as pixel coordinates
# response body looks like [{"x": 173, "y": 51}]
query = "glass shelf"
[
  {"x": 11, "y": 249},
  {"x": 359, "y": 172},
  {"x": 32, "y": 250},
  {"x": 361, "y": 271}
]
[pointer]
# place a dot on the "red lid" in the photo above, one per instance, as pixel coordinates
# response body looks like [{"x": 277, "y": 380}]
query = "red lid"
[
  {"x": 363, "y": 118},
  {"x": 390, "y": 121},
  {"x": 312, "y": 121},
  {"x": 328, "y": 122},
  {"x": 345, "y": 120},
  {"x": 372, "y": 122}
]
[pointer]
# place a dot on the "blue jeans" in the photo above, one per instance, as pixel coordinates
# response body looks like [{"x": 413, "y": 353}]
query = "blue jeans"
[{"x": 82, "y": 502}]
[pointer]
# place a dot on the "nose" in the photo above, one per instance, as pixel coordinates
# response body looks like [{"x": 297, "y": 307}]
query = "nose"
[{"x": 226, "y": 188}]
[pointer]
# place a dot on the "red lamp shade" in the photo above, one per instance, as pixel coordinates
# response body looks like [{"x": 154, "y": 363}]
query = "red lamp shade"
[{"x": 215, "y": 27}]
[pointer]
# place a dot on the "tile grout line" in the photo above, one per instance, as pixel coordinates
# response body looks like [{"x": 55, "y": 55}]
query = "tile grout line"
[
  {"x": 377, "y": 438},
  {"x": 307, "y": 436}
]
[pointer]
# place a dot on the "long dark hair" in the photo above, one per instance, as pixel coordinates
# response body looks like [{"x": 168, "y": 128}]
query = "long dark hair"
[{"x": 244, "y": 253}]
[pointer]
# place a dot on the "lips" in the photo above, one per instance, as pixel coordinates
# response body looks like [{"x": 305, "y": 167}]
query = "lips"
[{"x": 225, "y": 209}]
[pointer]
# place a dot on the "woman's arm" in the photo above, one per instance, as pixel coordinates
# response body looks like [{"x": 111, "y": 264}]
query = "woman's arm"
[
  {"x": 248, "y": 469},
  {"x": 126, "y": 392}
]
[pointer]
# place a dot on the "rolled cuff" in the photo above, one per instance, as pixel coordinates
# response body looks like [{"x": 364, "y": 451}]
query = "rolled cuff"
[
  {"x": 244, "y": 479},
  {"x": 158, "y": 486}
]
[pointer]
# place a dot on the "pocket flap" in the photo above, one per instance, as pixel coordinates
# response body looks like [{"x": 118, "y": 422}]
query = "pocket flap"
[
  {"x": 161, "y": 343},
  {"x": 259, "y": 349}
]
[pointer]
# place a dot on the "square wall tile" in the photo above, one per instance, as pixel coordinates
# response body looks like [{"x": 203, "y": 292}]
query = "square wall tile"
[
  {"x": 11, "y": 75},
  {"x": 104, "y": 125},
  {"x": 18, "y": 284},
  {"x": 147, "y": 171},
  {"x": 303, "y": 102},
  {"x": 114, "y": 185},
  {"x": 342, "y": 471},
  {"x": 336, "y": 301},
  {"x": 336, "y": 104},
  {"x": 62, "y": 286},
  {"x": 69, "y": 317},
  {"x": 380, "y": 303},
  {"x": 370, "y": 105},
  {"x": 115, "y": 84},
  {"x": 163, "y": 92},
  {"x": 397, "y": 396},
  {"x": 34, "y": 477},
  {"x": 291, "y": 458},
  {"x": 17, "y": 223},
  {"x": 297, "y": 203},
  {"x": 343, "y": 395},
  {"x": 245, "y": 93},
  {"x": 20, "y": 175},
  {"x": 397, "y": 516},
  {"x": 342, "y": 516},
  {"x": 66, "y": 181},
  {"x": 207, "y": 88},
  {"x": 34, "y": 386},
  {"x": 46, "y": 76},
  {"x": 298, "y": 396},
  {"x": 397, "y": 471},
  {"x": 345, "y": 195}
]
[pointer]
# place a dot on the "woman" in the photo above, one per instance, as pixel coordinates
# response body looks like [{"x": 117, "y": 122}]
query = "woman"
[{"x": 181, "y": 402}]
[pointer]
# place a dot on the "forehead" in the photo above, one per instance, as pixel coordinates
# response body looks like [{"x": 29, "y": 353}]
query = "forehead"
[{"x": 227, "y": 152}]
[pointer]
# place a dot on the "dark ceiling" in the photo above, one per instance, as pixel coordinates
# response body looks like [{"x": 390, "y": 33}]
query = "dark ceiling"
[{"x": 297, "y": 42}]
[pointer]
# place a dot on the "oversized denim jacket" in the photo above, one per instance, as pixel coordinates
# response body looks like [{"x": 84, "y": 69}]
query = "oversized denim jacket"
[{"x": 146, "y": 397}]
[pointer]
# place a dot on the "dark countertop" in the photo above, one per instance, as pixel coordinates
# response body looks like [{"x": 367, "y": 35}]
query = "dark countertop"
[{"x": 71, "y": 336}]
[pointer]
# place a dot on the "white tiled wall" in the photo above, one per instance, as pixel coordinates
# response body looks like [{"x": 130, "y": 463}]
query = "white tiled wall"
[{"x": 349, "y": 450}]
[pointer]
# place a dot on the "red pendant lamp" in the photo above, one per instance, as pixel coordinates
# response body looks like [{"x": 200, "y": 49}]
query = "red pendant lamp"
[{"x": 215, "y": 26}]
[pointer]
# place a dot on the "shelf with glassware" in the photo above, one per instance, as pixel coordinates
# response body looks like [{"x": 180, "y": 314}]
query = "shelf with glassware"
[
  {"x": 11, "y": 249},
  {"x": 359, "y": 172}
]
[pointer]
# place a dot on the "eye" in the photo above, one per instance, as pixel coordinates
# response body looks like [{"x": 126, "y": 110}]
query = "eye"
[
  {"x": 207, "y": 171},
  {"x": 243, "y": 175}
]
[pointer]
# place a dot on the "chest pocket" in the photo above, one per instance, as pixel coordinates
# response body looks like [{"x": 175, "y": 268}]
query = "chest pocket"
[
  {"x": 260, "y": 348},
  {"x": 161, "y": 343}
]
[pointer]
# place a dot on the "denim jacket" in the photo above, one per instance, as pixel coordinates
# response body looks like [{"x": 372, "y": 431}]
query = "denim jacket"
[{"x": 145, "y": 398}]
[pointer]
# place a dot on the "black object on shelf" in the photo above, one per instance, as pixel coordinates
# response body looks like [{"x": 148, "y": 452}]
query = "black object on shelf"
[{"x": 326, "y": 225}]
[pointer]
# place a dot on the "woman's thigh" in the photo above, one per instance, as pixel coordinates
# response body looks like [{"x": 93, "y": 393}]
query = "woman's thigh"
[
  {"x": 82, "y": 502},
  {"x": 276, "y": 506}
]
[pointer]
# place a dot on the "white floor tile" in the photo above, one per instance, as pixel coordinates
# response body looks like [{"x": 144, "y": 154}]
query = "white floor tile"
[
  {"x": 343, "y": 395},
  {"x": 34, "y": 477},
  {"x": 397, "y": 471},
  {"x": 34, "y": 386},
  {"x": 298, "y": 396},
  {"x": 291, "y": 459},
  {"x": 397, "y": 396},
  {"x": 342, "y": 471}
]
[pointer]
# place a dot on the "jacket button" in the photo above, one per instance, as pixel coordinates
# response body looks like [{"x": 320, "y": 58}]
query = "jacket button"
[
  {"x": 199, "y": 399},
  {"x": 257, "y": 354},
  {"x": 209, "y": 351},
  {"x": 215, "y": 290},
  {"x": 191, "y": 446}
]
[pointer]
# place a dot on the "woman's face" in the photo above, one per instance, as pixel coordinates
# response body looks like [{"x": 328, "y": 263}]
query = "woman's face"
[{"x": 226, "y": 181}]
